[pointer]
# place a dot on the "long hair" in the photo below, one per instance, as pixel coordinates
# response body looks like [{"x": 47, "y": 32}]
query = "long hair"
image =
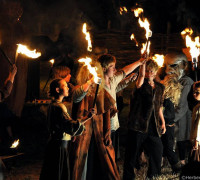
[
  {"x": 84, "y": 75},
  {"x": 172, "y": 89}
]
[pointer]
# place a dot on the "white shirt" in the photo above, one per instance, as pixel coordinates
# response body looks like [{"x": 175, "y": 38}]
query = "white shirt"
[{"x": 114, "y": 81}]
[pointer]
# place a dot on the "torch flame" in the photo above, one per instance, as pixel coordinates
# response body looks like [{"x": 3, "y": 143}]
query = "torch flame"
[
  {"x": 145, "y": 24},
  {"x": 194, "y": 45},
  {"x": 24, "y": 50},
  {"x": 92, "y": 70},
  {"x": 87, "y": 37},
  {"x": 133, "y": 38},
  {"x": 15, "y": 144},
  {"x": 159, "y": 59},
  {"x": 137, "y": 11},
  {"x": 52, "y": 61}
]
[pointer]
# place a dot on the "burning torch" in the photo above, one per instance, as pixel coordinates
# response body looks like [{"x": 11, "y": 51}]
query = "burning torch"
[
  {"x": 93, "y": 71},
  {"x": 194, "y": 46}
]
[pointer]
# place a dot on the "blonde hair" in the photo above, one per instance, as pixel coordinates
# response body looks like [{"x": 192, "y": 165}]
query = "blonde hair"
[
  {"x": 83, "y": 74},
  {"x": 151, "y": 65},
  {"x": 172, "y": 89}
]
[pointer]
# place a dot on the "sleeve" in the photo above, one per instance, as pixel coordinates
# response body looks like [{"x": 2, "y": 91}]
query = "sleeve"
[
  {"x": 123, "y": 84},
  {"x": 78, "y": 94},
  {"x": 183, "y": 104},
  {"x": 70, "y": 126},
  {"x": 5, "y": 92},
  {"x": 118, "y": 77}
]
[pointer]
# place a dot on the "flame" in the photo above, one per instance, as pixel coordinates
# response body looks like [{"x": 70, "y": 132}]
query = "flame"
[
  {"x": 122, "y": 9},
  {"x": 194, "y": 45},
  {"x": 145, "y": 24},
  {"x": 137, "y": 11},
  {"x": 133, "y": 38},
  {"x": 159, "y": 59},
  {"x": 52, "y": 61},
  {"x": 24, "y": 50},
  {"x": 15, "y": 144},
  {"x": 87, "y": 37},
  {"x": 92, "y": 70},
  {"x": 146, "y": 47}
]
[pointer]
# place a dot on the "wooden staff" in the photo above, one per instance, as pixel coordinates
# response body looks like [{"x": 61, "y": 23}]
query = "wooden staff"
[{"x": 2, "y": 52}]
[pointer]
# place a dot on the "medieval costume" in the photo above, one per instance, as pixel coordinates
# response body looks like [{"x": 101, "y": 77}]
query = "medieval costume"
[
  {"x": 61, "y": 127},
  {"x": 144, "y": 128},
  {"x": 91, "y": 155}
]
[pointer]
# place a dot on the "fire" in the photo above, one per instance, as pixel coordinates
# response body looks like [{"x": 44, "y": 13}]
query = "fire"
[
  {"x": 194, "y": 45},
  {"x": 15, "y": 144},
  {"x": 137, "y": 11},
  {"x": 133, "y": 38},
  {"x": 52, "y": 61},
  {"x": 92, "y": 70},
  {"x": 159, "y": 59},
  {"x": 146, "y": 47},
  {"x": 87, "y": 37},
  {"x": 24, "y": 50},
  {"x": 144, "y": 23},
  {"x": 122, "y": 9}
]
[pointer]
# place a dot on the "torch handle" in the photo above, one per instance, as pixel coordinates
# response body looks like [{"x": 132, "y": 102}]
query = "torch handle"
[
  {"x": 95, "y": 97},
  {"x": 6, "y": 56}
]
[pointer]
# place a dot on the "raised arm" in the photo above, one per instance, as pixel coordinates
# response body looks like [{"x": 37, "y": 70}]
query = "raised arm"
[
  {"x": 129, "y": 68},
  {"x": 141, "y": 76}
]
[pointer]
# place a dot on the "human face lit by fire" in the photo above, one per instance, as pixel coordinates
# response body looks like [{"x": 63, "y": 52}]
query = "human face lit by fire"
[
  {"x": 150, "y": 73},
  {"x": 64, "y": 90},
  {"x": 110, "y": 70},
  {"x": 196, "y": 93}
]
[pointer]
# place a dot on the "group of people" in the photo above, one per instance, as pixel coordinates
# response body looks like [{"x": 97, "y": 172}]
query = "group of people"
[
  {"x": 84, "y": 142},
  {"x": 84, "y": 138}
]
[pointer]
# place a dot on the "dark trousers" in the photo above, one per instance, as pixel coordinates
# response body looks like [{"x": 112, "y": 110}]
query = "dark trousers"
[
  {"x": 152, "y": 145},
  {"x": 168, "y": 142},
  {"x": 182, "y": 149},
  {"x": 115, "y": 143}
]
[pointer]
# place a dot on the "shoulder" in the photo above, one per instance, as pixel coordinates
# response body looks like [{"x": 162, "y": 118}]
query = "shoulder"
[
  {"x": 159, "y": 85},
  {"x": 186, "y": 80}
]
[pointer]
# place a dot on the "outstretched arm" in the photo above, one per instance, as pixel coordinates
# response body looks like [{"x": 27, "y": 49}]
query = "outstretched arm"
[
  {"x": 141, "y": 76},
  {"x": 129, "y": 68}
]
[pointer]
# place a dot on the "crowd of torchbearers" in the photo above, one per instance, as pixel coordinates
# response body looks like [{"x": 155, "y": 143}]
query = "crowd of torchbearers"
[{"x": 83, "y": 121}]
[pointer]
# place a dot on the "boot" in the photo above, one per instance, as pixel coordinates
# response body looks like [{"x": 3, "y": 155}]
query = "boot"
[{"x": 176, "y": 168}]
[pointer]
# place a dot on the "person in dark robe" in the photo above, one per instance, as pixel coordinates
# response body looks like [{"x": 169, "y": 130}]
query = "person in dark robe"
[{"x": 62, "y": 127}]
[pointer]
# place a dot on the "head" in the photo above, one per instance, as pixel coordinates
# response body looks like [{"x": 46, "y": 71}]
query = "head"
[
  {"x": 108, "y": 62},
  {"x": 58, "y": 88},
  {"x": 62, "y": 72},
  {"x": 151, "y": 69},
  {"x": 196, "y": 90},
  {"x": 176, "y": 63},
  {"x": 172, "y": 88}
]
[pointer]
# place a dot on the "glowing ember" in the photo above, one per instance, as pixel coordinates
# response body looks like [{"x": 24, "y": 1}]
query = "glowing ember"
[
  {"x": 194, "y": 45},
  {"x": 122, "y": 9},
  {"x": 24, "y": 50},
  {"x": 52, "y": 61},
  {"x": 87, "y": 37},
  {"x": 15, "y": 144},
  {"x": 91, "y": 69},
  {"x": 133, "y": 38},
  {"x": 159, "y": 59},
  {"x": 137, "y": 11}
]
